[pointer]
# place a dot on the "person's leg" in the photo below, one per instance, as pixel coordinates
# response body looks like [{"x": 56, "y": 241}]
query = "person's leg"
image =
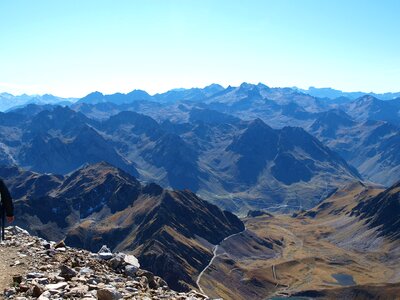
[{"x": 3, "y": 221}]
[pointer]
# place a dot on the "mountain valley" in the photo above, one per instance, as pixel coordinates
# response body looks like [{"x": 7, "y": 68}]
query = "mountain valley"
[{"x": 342, "y": 249}]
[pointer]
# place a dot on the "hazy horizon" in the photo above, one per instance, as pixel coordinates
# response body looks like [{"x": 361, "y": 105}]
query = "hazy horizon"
[{"x": 200, "y": 87}]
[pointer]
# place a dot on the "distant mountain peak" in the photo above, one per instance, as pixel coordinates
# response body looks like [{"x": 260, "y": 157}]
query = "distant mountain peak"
[
  {"x": 214, "y": 86},
  {"x": 101, "y": 168},
  {"x": 257, "y": 126},
  {"x": 139, "y": 95},
  {"x": 245, "y": 85},
  {"x": 332, "y": 119},
  {"x": 258, "y": 122},
  {"x": 92, "y": 98},
  {"x": 263, "y": 86},
  {"x": 367, "y": 98},
  {"x": 95, "y": 94}
]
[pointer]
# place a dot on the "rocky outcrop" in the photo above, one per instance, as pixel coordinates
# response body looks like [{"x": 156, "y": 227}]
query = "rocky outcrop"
[{"x": 56, "y": 271}]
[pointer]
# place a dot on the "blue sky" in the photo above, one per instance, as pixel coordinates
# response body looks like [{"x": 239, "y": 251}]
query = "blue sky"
[{"x": 70, "y": 48}]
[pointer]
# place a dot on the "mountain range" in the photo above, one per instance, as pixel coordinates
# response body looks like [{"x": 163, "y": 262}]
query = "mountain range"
[
  {"x": 233, "y": 163},
  {"x": 278, "y": 107},
  {"x": 9, "y": 101},
  {"x": 337, "y": 94},
  {"x": 203, "y": 127},
  {"x": 161, "y": 176}
]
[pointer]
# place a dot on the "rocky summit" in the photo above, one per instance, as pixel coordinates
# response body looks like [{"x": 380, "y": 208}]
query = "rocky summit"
[{"x": 33, "y": 268}]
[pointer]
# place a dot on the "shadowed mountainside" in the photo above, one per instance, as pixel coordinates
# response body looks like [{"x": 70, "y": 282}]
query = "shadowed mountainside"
[
  {"x": 373, "y": 147},
  {"x": 382, "y": 212}
]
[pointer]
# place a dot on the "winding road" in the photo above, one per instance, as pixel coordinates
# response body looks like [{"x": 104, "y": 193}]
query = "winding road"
[
  {"x": 215, "y": 255},
  {"x": 298, "y": 242}
]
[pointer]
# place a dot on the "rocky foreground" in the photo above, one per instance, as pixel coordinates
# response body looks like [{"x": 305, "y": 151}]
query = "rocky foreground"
[{"x": 54, "y": 271}]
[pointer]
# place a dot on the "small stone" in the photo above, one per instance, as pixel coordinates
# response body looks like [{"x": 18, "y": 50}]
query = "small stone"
[
  {"x": 92, "y": 281},
  {"x": 67, "y": 272},
  {"x": 17, "y": 279},
  {"x": 130, "y": 270},
  {"x": 101, "y": 285},
  {"x": 108, "y": 294},
  {"x": 131, "y": 289},
  {"x": 150, "y": 279},
  {"x": 46, "y": 245},
  {"x": 23, "y": 288},
  {"x": 104, "y": 249},
  {"x": 132, "y": 260},
  {"x": 160, "y": 282},
  {"x": 37, "y": 290},
  {"x": 76, "y": 262},
  {"x": 58, "y": 278},
  {"x": 56, "y": 286},
  {"x": 80, "y": 289},
  {"x": 43, "y": 281},
  {"x": 117, "y": 261},
  {"x": 9, "y": 292},
  {"x": 144, "y": 282},
  {"x": 60, "y": 244},
  {"x": 45, "y": 296},
  {"x": 92, "y": 287},
  {"x": 85, "y": 271},
  {"x": 149, "y": 275},
  {"x": 34, "y": 275},
  {"x": 105, "y": 255},
  {"x": 17, "y": 263},
  {"x": 55, "y": 292}
]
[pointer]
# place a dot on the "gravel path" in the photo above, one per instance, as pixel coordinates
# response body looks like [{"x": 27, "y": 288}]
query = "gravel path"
[
  {"x": 215, "y": 255},
  {"x": 11, "y": 263}
]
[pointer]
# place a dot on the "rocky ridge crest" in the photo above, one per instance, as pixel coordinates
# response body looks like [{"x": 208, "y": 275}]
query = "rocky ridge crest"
[{"x": 55, "y": 271}]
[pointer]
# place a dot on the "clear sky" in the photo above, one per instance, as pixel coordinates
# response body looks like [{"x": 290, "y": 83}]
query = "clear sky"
[{"x": 73, "y": 47}]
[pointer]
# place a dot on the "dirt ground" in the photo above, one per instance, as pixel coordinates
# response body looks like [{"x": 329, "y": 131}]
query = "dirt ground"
[{"x": 11, "y": 263}]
